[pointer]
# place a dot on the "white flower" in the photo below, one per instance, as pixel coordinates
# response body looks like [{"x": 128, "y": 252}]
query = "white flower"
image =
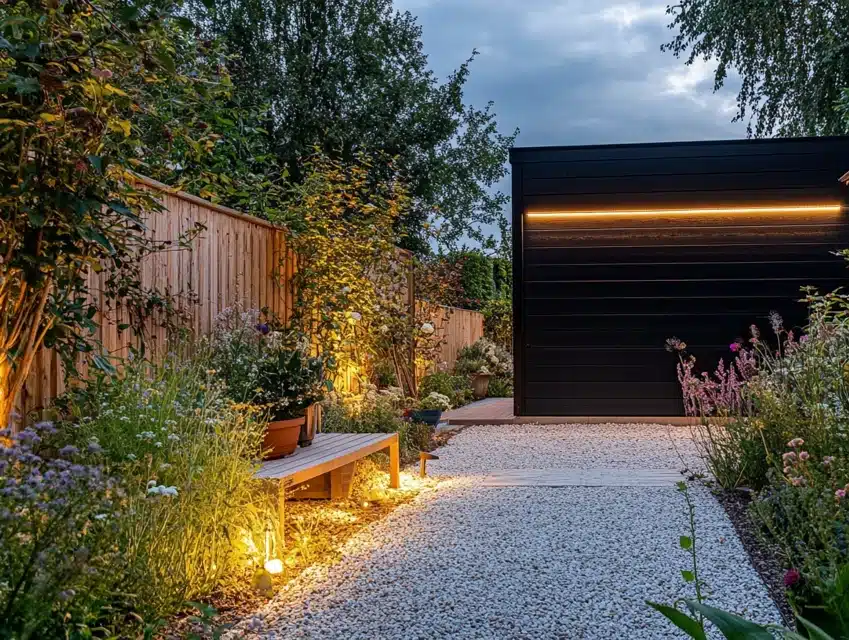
[
  {"x": 173, "y": 437},
  {"x": 131, "y": 456},
  {"x": 356, "y": 316},
  {"x": 384, "y": 328},
  {"x": 145, "y": 435},
  {"x": 161, "y": 490},
  {"x": 101, "y": 516},
  {"x": 427, "y": 328},
  {"x": 346, "y": 289},
  {"x": 158, "y": 445}
]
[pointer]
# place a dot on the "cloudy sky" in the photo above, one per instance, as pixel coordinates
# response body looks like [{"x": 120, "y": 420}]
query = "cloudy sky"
[{"x": 576, "y": 71}]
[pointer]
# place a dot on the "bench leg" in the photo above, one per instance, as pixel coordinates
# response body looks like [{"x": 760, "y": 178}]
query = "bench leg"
[
  {"x": 281, "y": 515},
  {"x": 394, "y": 465}
]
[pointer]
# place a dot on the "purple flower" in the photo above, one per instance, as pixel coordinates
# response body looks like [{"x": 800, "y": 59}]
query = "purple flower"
[
  {"x": 68, "y": 451},
  {"x": 734, "y": 346},
  {"x": 791, "y": 578},
  {"x": 263, "y": 328}
]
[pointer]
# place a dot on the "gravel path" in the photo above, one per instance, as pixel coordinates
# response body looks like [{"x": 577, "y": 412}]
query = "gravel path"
[{"x": 466, "y": 561}]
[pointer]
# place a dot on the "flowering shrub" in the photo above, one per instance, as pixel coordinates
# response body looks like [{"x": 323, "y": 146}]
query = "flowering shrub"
[
  {"x": 58, "y": 508},
  {"x": 484, "y": 356},
  {"x": 266, "y": 366},
  {"x": 458, "y": 389},
  {"x": 435, "y": 402},
  {"x": 785, "y": 431}
]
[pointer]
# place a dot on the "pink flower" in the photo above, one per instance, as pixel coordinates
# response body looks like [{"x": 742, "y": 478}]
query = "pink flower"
[
  {"x": 840, "y": 494},
  {"x": 787, "y": 470},
  {"x": 791, "y": 577},
  {"x": 735, "y": 346},
  {"x": 795, "y": 443},
  {"x": 804, "y": 456},
  {"x": 798, "y": 481},
  {"x": 790, "y": 456}
]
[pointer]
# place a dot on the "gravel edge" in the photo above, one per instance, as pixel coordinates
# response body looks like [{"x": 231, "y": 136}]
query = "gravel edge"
[{"x": 764, "y": 557}]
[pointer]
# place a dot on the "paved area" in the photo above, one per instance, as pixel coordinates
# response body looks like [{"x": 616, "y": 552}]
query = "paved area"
[{"x": 537, "y": 561}]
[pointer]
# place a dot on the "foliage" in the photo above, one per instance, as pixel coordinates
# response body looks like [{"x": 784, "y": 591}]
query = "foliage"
[
  {"x": 384, "y": 374},
  {"x": 458, "y": 389},
  {"x": 484, "y": 356},
  {"x": 732, "y": 626},
  {"x": 500, "y": 387},
  {"x": 186, "y": 457},
  {"x": 498, "y": 322},
  {"x": 477, "y": 280},
  {"x": 377, "y": 412},
  {"x": 502, "y": 276},
  {"x": 68, "y": 73},
  {"x": 351, "y": 77},
  {"x": 265, "y": 365},
  {"x": 350, "y": 278},
  {"x": 58, "y": 509},
  {"x": 434, "y": 401},
  {"x": 203, "y": 136},
  {"x": 790, "y": 57},
  {"x": 783, "y": 431}
]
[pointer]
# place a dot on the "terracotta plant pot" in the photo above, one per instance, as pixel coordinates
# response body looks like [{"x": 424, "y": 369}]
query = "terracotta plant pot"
[
  {"x": 281, "y": 436},
  {"x": 311, "y": 424},
  {"x": 428, "y": 416},
  {"x": 480, "y": 384}
]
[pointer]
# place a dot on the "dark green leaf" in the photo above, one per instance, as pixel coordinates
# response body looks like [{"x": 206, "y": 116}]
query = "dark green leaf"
[
  {"x": 680, "y": 620},
  {"x": 185, "y": 23},
  {"x": 36, "y": 218},
  {"x": 96, "y": 162},
  {"x": 687, "y": 575},
  {"x": 814, "y": 632},
  {"x": 686, "y": 542},
  {"x": 165, "y": 61},
  {"x": 733, "y": 627}
]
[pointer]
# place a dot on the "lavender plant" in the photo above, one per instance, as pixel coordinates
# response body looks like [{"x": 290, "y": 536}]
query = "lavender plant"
[{"x": 59, "y": 510}]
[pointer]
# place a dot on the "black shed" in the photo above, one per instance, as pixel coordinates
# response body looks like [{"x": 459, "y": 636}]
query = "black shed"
[{"x": 618, "y": 247}]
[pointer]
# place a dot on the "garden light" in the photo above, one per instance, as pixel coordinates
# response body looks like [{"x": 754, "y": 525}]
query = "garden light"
[
  {"x": 274, "y": 566},
  {"x": 773, "y": 210}
]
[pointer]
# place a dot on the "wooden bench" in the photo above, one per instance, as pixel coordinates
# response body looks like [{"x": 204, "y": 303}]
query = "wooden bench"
[{"x": 325, "y": 468}]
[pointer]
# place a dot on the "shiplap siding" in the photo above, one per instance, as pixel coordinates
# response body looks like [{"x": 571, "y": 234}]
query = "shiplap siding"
[{"x": 596, "y": 297}]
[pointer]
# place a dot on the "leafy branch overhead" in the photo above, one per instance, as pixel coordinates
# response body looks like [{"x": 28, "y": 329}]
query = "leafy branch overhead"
[{"x": 68, "y": 145}]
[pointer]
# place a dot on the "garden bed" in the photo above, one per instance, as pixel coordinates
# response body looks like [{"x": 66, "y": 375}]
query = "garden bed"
[{"x": 764, "y": 557}]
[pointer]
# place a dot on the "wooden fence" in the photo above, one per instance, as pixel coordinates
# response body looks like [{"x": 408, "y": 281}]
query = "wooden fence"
[
  {"x": 457, "y": 328},
  {"x": 236, "y": 258}
]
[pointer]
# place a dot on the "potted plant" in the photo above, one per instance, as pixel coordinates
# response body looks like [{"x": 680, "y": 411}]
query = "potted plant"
[
  {"x": 430, "y": 408},
  {"x": 480, "y": 382},
  {"x": 290, "y": 383},
  {"x": 272, "y": 370}
]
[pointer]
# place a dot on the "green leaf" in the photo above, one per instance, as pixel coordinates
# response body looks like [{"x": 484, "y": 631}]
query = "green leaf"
[
  {"x": 814, "y": 632},
  {"x": 103, "y": 364},
  {"x": 36, "y": 218},
  {"x": 96, "y": 162},
  {"x": 688, "y": 576},
  {"x": 680, "y": 620},
  {"x": 185, "y": 23},
  {"x": 686, "y": 542},
  {"x": 165, "y": 61},
  {"x": 733, "y": 627}
]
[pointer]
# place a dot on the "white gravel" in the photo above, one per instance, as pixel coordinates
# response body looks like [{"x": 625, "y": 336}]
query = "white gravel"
[{"x": 466, "y": 561}]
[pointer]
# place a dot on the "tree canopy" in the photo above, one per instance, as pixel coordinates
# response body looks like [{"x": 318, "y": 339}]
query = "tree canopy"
[
  {"x": 351, "y": 77},
  {"x": 792, "y": 58}
]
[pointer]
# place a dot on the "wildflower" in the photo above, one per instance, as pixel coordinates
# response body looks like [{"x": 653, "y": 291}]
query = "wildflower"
[
  {"x": 827, "y": 461},
  {"x": 776, "y": 321},
  {"x": 790, "y": 456},
  {"x": 791, "y": 577},
  {"x": 356, "y": 316},
  {"x": 804, "y": 456},
  {"x": 101, "y": 516},
  {"x": 263, "y": 328},
  {"x": 94, "y": 446},
  {"x": 795, "y": 443},
  {"x": 735, "y": 346},
  {"x": 798, "y": 481},
  {"x": 675, "y": 344},
  {"x": 840, "y": 494},
  {"x": 346, "y": 289},
  {"x": 427, "y": 328},
  {"x": 68, "y": 450},
  {"x": 131, "y": 456},
  {"x": 67, "y": 594}
]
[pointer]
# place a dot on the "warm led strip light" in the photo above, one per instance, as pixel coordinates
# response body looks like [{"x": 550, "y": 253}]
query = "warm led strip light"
[{"x": 814, "y": 208}]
